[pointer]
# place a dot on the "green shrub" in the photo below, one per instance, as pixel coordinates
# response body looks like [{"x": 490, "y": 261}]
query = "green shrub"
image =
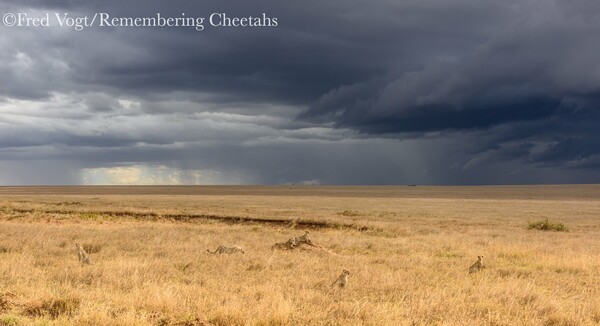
[
  {"x": 546, "y": 225},
  {"x": 9, "y": 320}
]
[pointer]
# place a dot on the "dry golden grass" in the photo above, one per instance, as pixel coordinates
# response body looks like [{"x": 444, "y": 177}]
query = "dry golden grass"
[{"x": 408, "y": 250}]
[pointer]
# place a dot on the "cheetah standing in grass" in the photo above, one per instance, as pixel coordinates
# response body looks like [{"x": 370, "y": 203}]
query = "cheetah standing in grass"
[
  {"x": 84, "y": 257},
  {"x": 342, "y": 280},
  {"x": 477, "y": 266},
  {"x": 227, "y": 250}
]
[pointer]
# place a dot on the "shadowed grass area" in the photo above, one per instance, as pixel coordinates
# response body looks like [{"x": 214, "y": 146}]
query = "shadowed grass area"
[
  {"x": 53, "y": 307},
  {"x": 188, "y": 217}
]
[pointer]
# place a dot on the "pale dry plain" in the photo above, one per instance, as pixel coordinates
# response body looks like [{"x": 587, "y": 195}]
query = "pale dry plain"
[{"x": 408, "y": 250}]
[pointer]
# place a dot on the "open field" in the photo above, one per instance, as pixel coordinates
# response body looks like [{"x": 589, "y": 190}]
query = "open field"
[{"x": 408, "y": 250}]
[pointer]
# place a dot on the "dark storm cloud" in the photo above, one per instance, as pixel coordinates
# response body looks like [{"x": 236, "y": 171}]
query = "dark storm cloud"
[
  {"x": 317, "y": 47},
  {"x": 534, "y": 77},
  {"x": 272, "y": 65},
  {"x": 440, "y": 117},
  {"x": 516, "y": 82},
  {"x": 565, "y": 139}
]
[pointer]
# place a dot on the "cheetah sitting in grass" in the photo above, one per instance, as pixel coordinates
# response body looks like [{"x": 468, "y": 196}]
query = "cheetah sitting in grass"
[
  {"x": 84, "y": 257},
  {"x": 342, "y": 280},
  {"x": 227, "y": 250},
  {"x": 477, "y": 266}
]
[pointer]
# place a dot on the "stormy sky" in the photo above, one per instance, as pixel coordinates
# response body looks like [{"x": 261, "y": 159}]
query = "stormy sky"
[{"x": 340, "y": 92}]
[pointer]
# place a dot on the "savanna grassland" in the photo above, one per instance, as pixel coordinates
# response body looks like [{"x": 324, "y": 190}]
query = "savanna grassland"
[{"x": 408, "y": 250}]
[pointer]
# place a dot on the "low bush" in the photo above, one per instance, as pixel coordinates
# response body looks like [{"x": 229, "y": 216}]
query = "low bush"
[{"x": 546, "y": 225}]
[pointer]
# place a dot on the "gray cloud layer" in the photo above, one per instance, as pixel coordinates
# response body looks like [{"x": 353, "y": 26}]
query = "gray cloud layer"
[{"x": 340, "y": 92}]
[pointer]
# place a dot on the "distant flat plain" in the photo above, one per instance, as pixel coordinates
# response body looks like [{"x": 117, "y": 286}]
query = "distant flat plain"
[
  {"x": 544, "y": 192},
  {"x": 408, "y": 249}
]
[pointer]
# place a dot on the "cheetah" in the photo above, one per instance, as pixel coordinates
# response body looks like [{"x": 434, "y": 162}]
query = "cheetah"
[
  {"x": 477, "y": 266},
  {"x": 227, "y": 250},
  {"x": 288, "y": 245},
  {"x": 304, "y": 239},
  {"x": 342, "y": 280},
  {"x": 84, "y": 257}
]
